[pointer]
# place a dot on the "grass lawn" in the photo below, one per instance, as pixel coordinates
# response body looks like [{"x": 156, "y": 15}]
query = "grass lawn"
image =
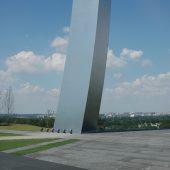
[
  {"x": 22, "y": 127},
  {"x": 45, "y": 147},
  {"x": 11, "y": 144},
  {"x": 10, "y": 134}
]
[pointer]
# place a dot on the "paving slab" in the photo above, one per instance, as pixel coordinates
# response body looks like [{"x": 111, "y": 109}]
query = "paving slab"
[
  {"x": 142, "y": 150},
  {"x": 138, "y": 150},
  {"x": 12, "y": 162}
]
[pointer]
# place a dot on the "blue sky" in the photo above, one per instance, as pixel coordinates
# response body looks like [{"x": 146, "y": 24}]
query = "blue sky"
[{"x": 33, "y": 46}]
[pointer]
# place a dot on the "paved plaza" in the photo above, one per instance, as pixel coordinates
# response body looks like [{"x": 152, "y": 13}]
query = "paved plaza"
[
  {"x": 144, "y": 150},
  {"x": 140, "y": 150},
  {"x": 12, "y": 162}
]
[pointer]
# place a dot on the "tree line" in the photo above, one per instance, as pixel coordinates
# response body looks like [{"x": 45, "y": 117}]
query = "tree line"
[
  {"x": 104, "y": 123},
  {"x": 118, "y": 123},
  {"x": 46, "y": 122}
]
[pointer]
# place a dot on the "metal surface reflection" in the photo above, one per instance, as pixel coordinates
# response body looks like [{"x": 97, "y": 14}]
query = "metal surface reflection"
[{"x": 84, "y": 72}]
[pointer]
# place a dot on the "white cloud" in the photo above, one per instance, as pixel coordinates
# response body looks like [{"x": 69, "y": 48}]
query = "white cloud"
[
  {"x": 146, "y": 62},
  {"x": 27, "y": 61},
  {"x": 113, "y": 61},
  {"x": 31, "y": 98},
  {"x": 28, "y": 88},
  {"x": 123, "y": 59},
  {"x": 56, "y": 62},
  {"x": 144, "y": 86},
  {"x": 146, "y": 93},
  {"x": 132, "y": 54},
  {"x": 59, "y": 41},
  {"x": 30, "y": 63},
  {"x": 54, "y": 92},
  {"x": 60, "y": 44},
  {"x": 66, "y": 29}
]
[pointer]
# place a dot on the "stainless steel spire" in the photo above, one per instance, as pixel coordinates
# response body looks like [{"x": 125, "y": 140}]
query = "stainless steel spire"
[{"x": 82, "y": 85}]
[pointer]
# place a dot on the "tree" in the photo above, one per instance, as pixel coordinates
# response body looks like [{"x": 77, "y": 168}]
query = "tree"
[
  {"x": 1, "y": 101},
  {"x": 49, "y": 118},
  {"x": 9, "y": 100}
]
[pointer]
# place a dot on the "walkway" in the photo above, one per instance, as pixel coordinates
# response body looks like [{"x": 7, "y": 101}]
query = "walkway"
[{"x": 12, "y": 162}]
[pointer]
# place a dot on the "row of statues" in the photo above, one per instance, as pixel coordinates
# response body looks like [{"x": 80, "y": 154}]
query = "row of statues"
[{"x": 58, "y": 130}]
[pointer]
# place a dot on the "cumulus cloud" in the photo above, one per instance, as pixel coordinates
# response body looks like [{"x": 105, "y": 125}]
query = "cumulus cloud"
[
  {"x": 146, "y": 93},
  {"x": 27, "y": 61},
  {"x": 59, "y": 41},
  {"x": 123, "y": 59},
  {"x": 132, "y": 54},
  {"x": 56, "y": 62},
  {"x": 113, "y": 61},
  {"x": 54, "y": 92},
  {"x": 32, "y": 98},
  {"x": 28, "y": 88},
  {"x": 60, "y": 44},
  {"x": 145, "y": 85}
]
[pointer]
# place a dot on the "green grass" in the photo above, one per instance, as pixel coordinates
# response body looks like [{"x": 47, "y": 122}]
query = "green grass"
[
  {"x": 11, "y": 144},
  {"x": 22, "y": 127},
  {"x": 10, "y": 134},
  {"x": 45, "y": 147}
]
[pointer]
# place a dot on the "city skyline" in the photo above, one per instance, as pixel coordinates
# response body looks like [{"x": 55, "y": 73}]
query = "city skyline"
[{"x": 33, "y": 48}]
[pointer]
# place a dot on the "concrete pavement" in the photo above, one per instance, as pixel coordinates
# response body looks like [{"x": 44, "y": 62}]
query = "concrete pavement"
[
  {"x": 140, "y": 150},
  {"x": 12, "y": 162}
]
